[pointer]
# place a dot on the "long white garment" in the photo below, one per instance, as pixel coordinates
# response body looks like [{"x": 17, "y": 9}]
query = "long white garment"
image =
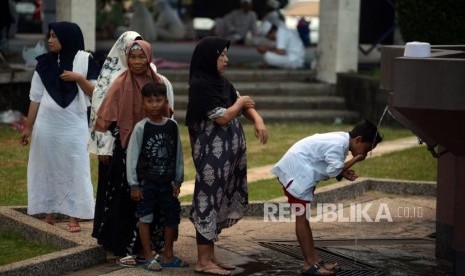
[{"x": 58, "y": 175}]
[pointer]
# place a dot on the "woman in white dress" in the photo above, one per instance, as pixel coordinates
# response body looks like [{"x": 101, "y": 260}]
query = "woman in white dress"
[{"x": 58, "y": 174}]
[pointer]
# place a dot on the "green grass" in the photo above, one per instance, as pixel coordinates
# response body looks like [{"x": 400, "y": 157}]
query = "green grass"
[
  {"x": 14, "y": 248},
  {"x": 13, "y": 156}
]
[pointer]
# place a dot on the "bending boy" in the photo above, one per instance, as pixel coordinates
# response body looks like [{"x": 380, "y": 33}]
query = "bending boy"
[{"x": 311, "y": 160}]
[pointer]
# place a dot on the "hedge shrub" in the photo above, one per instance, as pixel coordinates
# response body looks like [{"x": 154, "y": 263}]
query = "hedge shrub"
[{"x": 434, "y": 21}]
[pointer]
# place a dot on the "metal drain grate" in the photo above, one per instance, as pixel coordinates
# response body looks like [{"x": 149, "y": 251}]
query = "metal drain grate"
[{"x": 349, "y": 266}]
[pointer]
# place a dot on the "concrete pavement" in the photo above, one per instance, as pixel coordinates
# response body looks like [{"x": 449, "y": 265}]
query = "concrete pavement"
[
  {"x": 380, "y": 227},
  {"x": 402, "y": 246}
]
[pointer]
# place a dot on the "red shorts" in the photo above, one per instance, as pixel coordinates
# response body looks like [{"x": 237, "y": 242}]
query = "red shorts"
[{"x": 292, "y": 199}]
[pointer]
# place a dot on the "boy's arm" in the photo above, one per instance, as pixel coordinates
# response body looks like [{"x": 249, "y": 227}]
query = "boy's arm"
[
  {"x": 349, "y": 164},
  {"x": 352, "y": 161},
  {"x": 132, "y": 155},
  {"x": 179, "y": 174}
]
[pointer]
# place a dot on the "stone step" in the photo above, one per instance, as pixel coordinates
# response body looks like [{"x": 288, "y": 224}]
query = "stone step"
[
  {"x": 283, "y": 102},
  {"x": 292, "y": 115},
  {"x": 258, "y": 88},
  {"x": 236, "y": 75}
]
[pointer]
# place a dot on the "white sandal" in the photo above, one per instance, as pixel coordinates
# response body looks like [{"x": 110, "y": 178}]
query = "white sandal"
[{"x": 128, "y": 261}]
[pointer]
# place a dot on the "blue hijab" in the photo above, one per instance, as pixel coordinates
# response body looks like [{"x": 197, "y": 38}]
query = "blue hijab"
[{"x": 51, "y": 65}]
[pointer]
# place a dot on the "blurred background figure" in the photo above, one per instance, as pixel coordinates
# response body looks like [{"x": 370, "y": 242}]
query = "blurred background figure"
[
  {"x": 14, "y": 23},
  {"x": 6, "y": 20},
  {"x": 273, "y": 14},
  {"x": 289, "y": 51},
  {"x": 142, "y": 22},
  {"x": 303, "y": 28},
  {"x": 169, "y": 25},
  {"x": 236, "y": 25},
  {"x": 111, "y": 21},
  {"x": 48, "y": 14},
  {"x": 188, "y": 20}
]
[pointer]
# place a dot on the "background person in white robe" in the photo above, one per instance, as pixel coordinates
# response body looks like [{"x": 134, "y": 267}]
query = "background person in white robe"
[
  {"x": 169, "y": 25},
  {"x": 289, "y": 51},
  {"x": 273, "y": 15},
  {"x": 235, "y": 25}
]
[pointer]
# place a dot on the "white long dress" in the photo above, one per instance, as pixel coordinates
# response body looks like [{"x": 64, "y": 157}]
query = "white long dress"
[{"x": 58, "y": 175}]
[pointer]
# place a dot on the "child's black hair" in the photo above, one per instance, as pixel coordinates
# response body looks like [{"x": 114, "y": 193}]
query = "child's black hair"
[
  {"x": 153, "y": 89},
  {"x": 368, "y": 131}
]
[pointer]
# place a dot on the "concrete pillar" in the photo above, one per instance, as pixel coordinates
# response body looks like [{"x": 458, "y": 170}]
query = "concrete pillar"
[
  {"x": 82, "y": 13},
  {"x": 338, "y": 37}
]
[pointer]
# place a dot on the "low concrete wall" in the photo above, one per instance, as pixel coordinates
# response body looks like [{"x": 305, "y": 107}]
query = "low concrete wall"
[
  {"x": 362, "y": 94},
  {"x": 346, "y": 189},
  {"x": 73, "y": 254}
]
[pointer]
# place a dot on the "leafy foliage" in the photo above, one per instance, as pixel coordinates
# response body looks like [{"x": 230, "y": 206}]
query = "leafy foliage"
[{"x": 438, "y": 22}]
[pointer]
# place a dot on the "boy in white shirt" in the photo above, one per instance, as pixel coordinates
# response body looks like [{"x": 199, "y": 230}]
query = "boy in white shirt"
[{"x": 311, "y": 160}]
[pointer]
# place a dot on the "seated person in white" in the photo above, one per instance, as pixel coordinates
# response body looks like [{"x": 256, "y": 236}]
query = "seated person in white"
[
  {"x": 169, "y": 25},
  {"x": 289, "y": 51},
  {"x": 235, "y": 25}
]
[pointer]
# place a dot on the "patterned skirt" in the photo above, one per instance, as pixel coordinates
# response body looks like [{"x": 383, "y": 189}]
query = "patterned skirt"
[{"x": 220, "y": 194}]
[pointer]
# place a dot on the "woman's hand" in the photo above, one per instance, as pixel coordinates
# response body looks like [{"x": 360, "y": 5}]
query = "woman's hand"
[
  {"x": 260, "y": 131},
  {"x": 86, "y": 85},
  {"x": 70, "y": 76},
  {"x": 247, "y": 102},
  {"x": 24, "y": 139}
]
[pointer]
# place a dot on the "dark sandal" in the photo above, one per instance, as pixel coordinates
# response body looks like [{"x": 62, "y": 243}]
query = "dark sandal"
[
  {"x": 152, "y": 265},
  {"x": 313, "y": 270},
  {"x": 177, "y": 262}
]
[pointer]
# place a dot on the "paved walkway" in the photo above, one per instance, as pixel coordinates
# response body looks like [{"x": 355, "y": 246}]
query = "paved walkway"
[
  {"x": 262, "y": 173},
  {"x": 398, "y": 247}
]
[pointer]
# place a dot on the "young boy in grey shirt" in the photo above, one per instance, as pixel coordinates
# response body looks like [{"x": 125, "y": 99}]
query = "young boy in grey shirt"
[{"x": 155, "y": 171}]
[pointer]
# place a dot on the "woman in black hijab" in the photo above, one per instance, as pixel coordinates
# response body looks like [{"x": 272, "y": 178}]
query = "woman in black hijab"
[
  {"x": 218, "y": 149},
  {"x": 58, "y": 172}
]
